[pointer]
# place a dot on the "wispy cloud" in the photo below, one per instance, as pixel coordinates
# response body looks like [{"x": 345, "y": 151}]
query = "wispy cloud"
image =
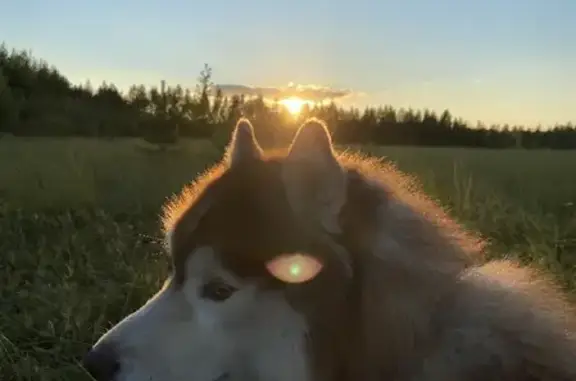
[{"x": 313, "y": 93}]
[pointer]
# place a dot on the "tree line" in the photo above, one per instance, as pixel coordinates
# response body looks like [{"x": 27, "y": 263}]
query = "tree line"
[{"x": 37, "y": 100}]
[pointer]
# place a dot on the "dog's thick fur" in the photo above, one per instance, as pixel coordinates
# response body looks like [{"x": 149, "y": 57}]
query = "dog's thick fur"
[{"x": 403, "y": 294}]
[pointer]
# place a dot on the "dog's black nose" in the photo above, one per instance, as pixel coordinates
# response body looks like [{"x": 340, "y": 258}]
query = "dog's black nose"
[{"x": 102, "y": 362}]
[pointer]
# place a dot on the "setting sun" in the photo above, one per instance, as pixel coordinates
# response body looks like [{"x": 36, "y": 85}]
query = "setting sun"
[{"x": 293, "y": 104}]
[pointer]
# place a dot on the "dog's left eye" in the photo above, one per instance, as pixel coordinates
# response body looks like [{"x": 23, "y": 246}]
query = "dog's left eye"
[{"x": 217, "y": 290}]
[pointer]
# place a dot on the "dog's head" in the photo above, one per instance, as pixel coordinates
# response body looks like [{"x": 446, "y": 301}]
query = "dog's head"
[{"x": 262, "y": 282}]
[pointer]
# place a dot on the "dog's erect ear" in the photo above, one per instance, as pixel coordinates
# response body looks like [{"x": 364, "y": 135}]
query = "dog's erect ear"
[
  {"x": 314, "y": 180},
  {"x": 243, "y": 145}
]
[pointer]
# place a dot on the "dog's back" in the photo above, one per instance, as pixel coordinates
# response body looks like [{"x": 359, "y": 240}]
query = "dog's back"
[
  {"x": 434, "y": 311},
  {"x": 505, "y": 322}
]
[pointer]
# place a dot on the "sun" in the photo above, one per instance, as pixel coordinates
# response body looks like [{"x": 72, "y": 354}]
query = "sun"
[{"x": 293, "y": 104}]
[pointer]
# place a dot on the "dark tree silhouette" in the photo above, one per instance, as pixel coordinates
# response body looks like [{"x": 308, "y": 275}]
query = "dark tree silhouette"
[{"x": 36, "y": 100}]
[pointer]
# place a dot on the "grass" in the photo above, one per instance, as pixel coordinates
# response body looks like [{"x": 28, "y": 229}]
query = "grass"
[{"x": 79, "y": 231}]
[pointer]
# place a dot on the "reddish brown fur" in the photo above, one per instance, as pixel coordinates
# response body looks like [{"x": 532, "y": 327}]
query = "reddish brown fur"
[{"x": 426, "y": 309}]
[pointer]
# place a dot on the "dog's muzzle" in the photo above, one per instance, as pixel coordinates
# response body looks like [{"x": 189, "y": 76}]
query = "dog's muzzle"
[{"x": 102, "y": 363}]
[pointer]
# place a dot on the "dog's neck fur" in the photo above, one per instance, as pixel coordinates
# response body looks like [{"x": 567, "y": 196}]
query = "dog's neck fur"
[{"x": 422, "y": 266}]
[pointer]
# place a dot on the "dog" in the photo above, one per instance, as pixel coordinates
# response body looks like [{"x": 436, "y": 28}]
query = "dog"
[{"x": 307, "y": 264}]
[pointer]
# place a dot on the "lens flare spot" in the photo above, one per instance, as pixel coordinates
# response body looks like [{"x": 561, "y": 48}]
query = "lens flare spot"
[{"x": 294, "y": 268}]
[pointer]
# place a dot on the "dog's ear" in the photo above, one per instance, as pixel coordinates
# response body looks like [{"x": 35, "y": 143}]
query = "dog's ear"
[
  {"x": 313, "y": 177},
  {"x": 243, "y": 145}
]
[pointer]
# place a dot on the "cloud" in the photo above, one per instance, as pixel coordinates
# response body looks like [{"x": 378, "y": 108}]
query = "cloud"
[{"x": 312, "y": 93}]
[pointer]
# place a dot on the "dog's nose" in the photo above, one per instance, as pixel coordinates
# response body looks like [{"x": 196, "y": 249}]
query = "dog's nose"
[{"x": 102, "y": 362}]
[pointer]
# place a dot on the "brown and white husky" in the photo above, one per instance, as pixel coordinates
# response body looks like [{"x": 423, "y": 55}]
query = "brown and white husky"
[{"x": 312, "y": 265}]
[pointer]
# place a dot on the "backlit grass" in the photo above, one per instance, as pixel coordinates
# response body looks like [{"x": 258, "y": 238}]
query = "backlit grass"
[{"x": 80, "y": 244}]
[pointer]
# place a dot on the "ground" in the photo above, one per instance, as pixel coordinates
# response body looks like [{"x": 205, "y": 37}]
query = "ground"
[{"x": 80, "y": 242}]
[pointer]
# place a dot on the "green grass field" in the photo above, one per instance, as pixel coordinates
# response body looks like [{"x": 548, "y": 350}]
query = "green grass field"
[{"x": 80, "y": 243}]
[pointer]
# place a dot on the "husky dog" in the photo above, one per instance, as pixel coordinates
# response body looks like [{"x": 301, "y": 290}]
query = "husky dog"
[{"x": 312, "y": 265}]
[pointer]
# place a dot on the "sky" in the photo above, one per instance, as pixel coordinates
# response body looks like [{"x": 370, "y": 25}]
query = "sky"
[{"x": 498, "y": 61}]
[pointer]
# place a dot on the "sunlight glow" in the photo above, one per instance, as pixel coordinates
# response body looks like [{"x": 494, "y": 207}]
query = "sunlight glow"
[{"x": 293, "y": 104}]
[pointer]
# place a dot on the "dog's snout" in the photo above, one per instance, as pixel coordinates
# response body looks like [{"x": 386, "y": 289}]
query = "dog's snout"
[{"x": 102, "y": 362}]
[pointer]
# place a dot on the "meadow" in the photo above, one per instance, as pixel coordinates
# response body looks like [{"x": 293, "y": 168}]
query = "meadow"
[{"x": 80, "y": 244}]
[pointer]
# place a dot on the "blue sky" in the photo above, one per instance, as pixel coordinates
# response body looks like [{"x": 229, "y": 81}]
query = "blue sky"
[{"x": 493, "y": 60}]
